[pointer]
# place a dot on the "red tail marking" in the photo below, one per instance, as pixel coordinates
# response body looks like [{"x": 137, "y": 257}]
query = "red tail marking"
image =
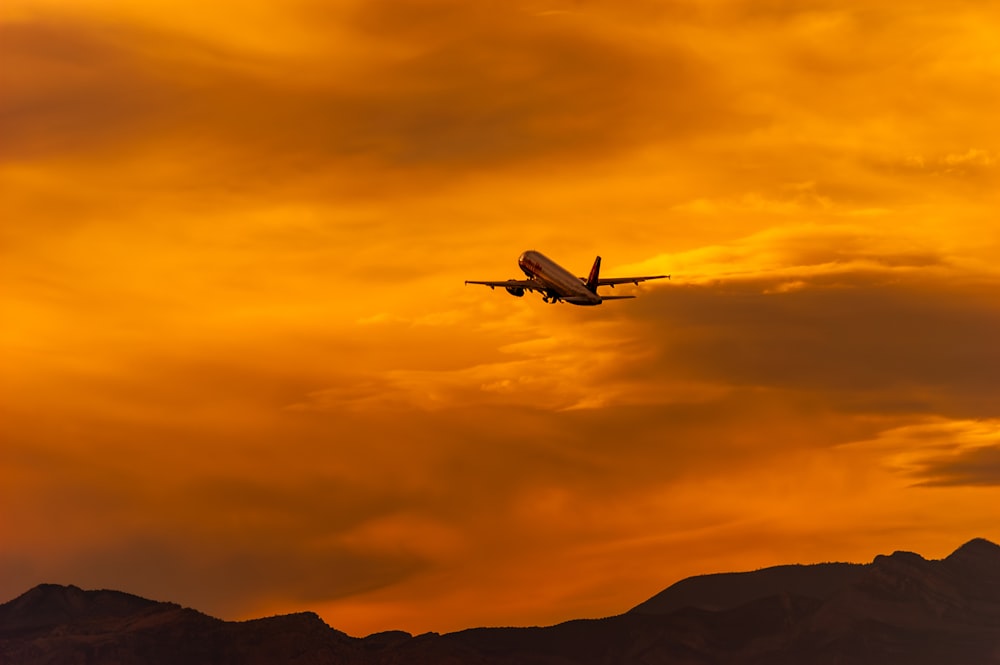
[{"x": 595, "y": 272}]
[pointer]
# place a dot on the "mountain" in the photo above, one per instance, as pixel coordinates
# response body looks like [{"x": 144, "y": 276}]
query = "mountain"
[
  {"x": 899, "y": 609},
  {"x": 725, "y": 591}
]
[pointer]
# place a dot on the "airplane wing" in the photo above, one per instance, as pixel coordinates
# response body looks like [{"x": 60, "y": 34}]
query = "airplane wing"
[
  {"x": 611, "y": 281},
  {"x": 526, "y": 284}
]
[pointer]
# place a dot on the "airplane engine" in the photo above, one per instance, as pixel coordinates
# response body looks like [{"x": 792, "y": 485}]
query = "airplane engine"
[{"x": 516, "y": 291}]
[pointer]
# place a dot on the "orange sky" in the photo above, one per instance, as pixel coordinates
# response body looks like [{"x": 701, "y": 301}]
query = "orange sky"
[{"x": 241, "y": 370}]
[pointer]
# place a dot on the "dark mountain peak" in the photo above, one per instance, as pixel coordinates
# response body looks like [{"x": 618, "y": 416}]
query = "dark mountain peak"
[
  {"x": 901, "y": 575},
  {"x": 386, "y": 639},
  {"x": 73, "y": 596},
  {"x": 52, "y": 604},
  {"x": 905, "y": 555},
  {"x": 297, "y": 622},
  {"x": 976, "y": 549},
  {"x": 976, "y": 566},
  {"x": 723, "y": 591},
  {"x": 896, "y": 572},
  {"x": 296, "y": 618},
  {"x": 899, "y": 558}
]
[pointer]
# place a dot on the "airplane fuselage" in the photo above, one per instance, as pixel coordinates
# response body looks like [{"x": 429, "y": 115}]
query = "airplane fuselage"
[
  {"x": 556, "y": 284},
  {"x": 559, "y": 282}
]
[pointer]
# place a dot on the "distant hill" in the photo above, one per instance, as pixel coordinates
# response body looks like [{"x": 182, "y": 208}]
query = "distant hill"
[
  {"x": 725, "y": 591},
  {"x": 899, "y": 609}
]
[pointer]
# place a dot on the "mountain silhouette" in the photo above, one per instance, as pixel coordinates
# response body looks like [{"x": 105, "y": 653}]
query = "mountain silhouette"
[
  {"x": 724, "y": 591},
  {"x": 899, "y": 609}
]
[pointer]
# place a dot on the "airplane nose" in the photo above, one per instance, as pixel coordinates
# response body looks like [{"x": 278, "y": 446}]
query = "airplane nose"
[{"x": 526, "y": 263}]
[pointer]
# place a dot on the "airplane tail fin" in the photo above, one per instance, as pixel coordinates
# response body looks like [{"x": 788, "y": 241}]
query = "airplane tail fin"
[{"x": 595, "y": 273}]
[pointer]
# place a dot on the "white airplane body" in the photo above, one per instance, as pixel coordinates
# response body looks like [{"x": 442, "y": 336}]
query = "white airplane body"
[{"x": 555, "y": 283}]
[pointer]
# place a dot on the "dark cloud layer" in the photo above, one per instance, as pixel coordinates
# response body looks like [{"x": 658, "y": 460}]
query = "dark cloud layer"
[
  {"x": 860, "y": 341},
  {"x": 978, "y": 467},
  {"x": 475, "y": 91}
]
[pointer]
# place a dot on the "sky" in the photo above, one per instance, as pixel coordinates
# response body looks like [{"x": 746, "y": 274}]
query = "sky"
[{"x": 241, "y": 370}]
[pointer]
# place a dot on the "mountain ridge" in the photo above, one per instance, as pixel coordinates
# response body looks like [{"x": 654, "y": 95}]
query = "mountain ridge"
[{"x": 900, "y": 608}]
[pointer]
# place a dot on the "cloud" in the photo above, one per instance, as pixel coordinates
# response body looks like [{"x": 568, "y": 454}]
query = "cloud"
[
  {"x": 938, "y": 452},
  {"x": 975, "y": 467},
  {"x": 878, "y": 340},
  {"x": 543, "y": 371},
  {"x": 471, "y": 89},
  {"x": 946, "y": 453},
  {"x": 813, "y": 250}
]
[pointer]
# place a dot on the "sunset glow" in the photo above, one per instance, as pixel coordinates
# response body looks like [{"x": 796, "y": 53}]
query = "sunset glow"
[{"x": 241, "y": 371}]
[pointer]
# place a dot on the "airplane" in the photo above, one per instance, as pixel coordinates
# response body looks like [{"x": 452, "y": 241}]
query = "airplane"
[{"x": 556, "y": 284}]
